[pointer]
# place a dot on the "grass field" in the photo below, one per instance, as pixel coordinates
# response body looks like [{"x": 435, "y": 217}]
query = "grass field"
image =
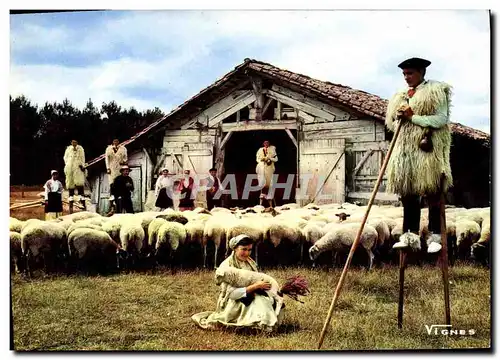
[{"x": 152, "y": 312}]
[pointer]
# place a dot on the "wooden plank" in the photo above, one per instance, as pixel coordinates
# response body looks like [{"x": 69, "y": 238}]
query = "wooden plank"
[
  {"x": 190, "y": 138},
  {"x": 291, "y": 137},
  {"x": 231, "y": 110},
  {"x": 259, "y": 125},
  {"x": 191, "y": 162},
  {"x": 368, "y": 145},
  {"x": 300, "y": 105},
  {"x": 160, "y": 162},
  {"x": 337, "y": 113},
  {"x": 259, "y": 97},
  {"x": 218, "y": 107},
  {"x": 336, "y": 161},
  {"x": 278, "y": 110},
  {"x": 225, "y": 140},
  {"x": 379, "y": 196},
  {"x": 337, "y": 125},
  {"x": 307, "y": 118},
  {"x": 362, "y": 161},
  {"x": 189, "y": 132},
  {"x": 368, "y": 177},
  {"x": 319, "y": 151},
  {"x": 348, "y": 138},
  {"x": 238, "y": 115},
  {"x": 266, "y": 106},
  {"x": 204, "y": 152}
]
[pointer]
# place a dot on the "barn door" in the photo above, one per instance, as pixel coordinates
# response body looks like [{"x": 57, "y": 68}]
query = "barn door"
[
  {"x": 136, "y": 175},
  {"x": 322, "y": 171},
  {"x": 198, "y": 158}
]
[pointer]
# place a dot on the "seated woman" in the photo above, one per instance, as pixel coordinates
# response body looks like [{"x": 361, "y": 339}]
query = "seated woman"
[{"x": 243, "y": 307}]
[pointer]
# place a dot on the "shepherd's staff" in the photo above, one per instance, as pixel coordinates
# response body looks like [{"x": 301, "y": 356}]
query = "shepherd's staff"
[{"x": 358, "y": 236}]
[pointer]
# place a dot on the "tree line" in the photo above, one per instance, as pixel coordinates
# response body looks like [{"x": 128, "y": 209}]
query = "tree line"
[{"x": 39, "y": 135}]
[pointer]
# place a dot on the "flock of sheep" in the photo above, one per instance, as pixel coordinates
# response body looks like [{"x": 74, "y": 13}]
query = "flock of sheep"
[{"x": 285, "y": 235}]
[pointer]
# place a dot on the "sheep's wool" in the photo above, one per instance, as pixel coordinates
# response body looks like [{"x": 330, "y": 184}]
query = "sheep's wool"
[
  {"x": 73, "y": 159},
  {"x": 411, "y": 170}
]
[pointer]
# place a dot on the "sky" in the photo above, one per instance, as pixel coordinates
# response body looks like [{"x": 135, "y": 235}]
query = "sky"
[{"x": 146, "y": 59}]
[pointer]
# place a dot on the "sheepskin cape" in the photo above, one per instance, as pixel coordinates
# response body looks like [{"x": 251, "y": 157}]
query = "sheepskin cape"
[
  {"x": 73, "y": 158},
  {"x": 410, "y": 170},
  {"x": 114, "y": 160},
  {"x": 233, "y": 313},
  {"x": 265, "y": 172}
]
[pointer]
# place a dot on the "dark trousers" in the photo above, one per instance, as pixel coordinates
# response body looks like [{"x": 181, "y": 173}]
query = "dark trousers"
[
  {"x": 411, "y": 213},
  {"x": 124, "y": 203}
]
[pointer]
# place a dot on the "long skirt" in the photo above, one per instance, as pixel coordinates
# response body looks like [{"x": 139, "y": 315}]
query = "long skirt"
[
  {"x": 53, "y": 208},
  {"x": 164, "y": 201},
  {"x": 259, "y": 314}
]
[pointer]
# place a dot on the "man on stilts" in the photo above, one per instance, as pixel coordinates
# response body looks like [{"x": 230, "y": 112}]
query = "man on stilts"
[
  {"x": 74, "y": 170},
  {"x": 421, "y": 154},
  {"x": 115, "y": 157},
  {"x": 266, "y": 157}
]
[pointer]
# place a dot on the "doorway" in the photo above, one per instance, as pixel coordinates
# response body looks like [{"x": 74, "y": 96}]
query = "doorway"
[{"x": 240, "y": 160}]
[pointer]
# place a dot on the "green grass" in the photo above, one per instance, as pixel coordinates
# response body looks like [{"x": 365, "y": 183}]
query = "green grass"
[{"x": 152, "y": 312}]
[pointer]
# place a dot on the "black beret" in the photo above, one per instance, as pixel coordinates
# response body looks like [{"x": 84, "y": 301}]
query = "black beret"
[{"x": 414, "y": 63}]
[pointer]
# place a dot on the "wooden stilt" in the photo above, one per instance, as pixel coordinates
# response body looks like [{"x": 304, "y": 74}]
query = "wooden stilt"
[
  {"x": 444, "y": 255},
  {"x": 402, "y": 267}
]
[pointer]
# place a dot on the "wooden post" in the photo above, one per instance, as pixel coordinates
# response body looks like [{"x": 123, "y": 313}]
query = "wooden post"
[
  {"x": 358, "y": 236},
  {"x": 402, "y": 267},
  {"x": 444, "y": 255}
]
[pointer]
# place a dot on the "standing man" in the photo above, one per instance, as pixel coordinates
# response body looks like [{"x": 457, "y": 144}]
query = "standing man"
[
  {"x": 123, "y": 189},
  {"x": 185, "y": 188},
  {"x": 74, "y": 170},
  {"x": 421, "y": 154},
  {"x": 53, "y": 197},
  {"x": 213, "y": 187},
  {"x": 266, "y": 157},
  {"x": 115, "y": 157}
]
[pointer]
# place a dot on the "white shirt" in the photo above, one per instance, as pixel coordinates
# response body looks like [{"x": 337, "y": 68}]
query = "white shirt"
[
  {"x": 162, "y": 182},
  {"x": 52, "y": 186}
]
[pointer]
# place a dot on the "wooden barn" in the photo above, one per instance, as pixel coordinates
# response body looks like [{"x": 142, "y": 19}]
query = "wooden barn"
[{"x": 329, "y": 136}]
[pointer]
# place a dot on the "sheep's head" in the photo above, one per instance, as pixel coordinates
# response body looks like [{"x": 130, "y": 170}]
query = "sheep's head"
[
  {"x": 342, "y": 216},
  {"x": 478, "y": 251},
  {"x": 314, "y": 252}
]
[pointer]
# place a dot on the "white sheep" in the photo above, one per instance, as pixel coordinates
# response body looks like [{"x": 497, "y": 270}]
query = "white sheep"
[
  {"x": 215, "y": 231},
  {"x": 480, "y": 249},
  {"x": 46, "y": 239},
  {"x": 91, "y": 249},
  {"x": 15, "y": 225},
  {"x": 242, "y": 278},
  {"x": 342, "y": 238},
  {"x": 277, "y": 231},
  {"x": 153, "y": 228},
  {"x": 16, "y": 252},
  {"x": 468, "y": 232},
  {"x": 132, "y": 240},
  {"x": 170, "y": 236},
  {"x": 81, "y": 225}
]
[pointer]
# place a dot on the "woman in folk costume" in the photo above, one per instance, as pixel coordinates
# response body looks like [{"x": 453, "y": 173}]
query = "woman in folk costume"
[
  {"x": 115, "y": 157},
  {"x": 187, "y": 192},
  {"x": 164, "y": 191},
  {"x": 421, "y": 154},
  {"x": 53, "y": 197},
  {"x": 241, "y": 307},
  {"x": 74, "y": 170},
  {"x": 266, "y": 157}
]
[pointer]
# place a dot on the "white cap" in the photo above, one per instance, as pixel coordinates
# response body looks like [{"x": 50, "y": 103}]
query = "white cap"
[{"x": 52, "y": 172}]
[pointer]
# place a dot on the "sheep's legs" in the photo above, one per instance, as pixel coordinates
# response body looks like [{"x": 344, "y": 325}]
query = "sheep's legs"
[{"x": 215, "y": 257}]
